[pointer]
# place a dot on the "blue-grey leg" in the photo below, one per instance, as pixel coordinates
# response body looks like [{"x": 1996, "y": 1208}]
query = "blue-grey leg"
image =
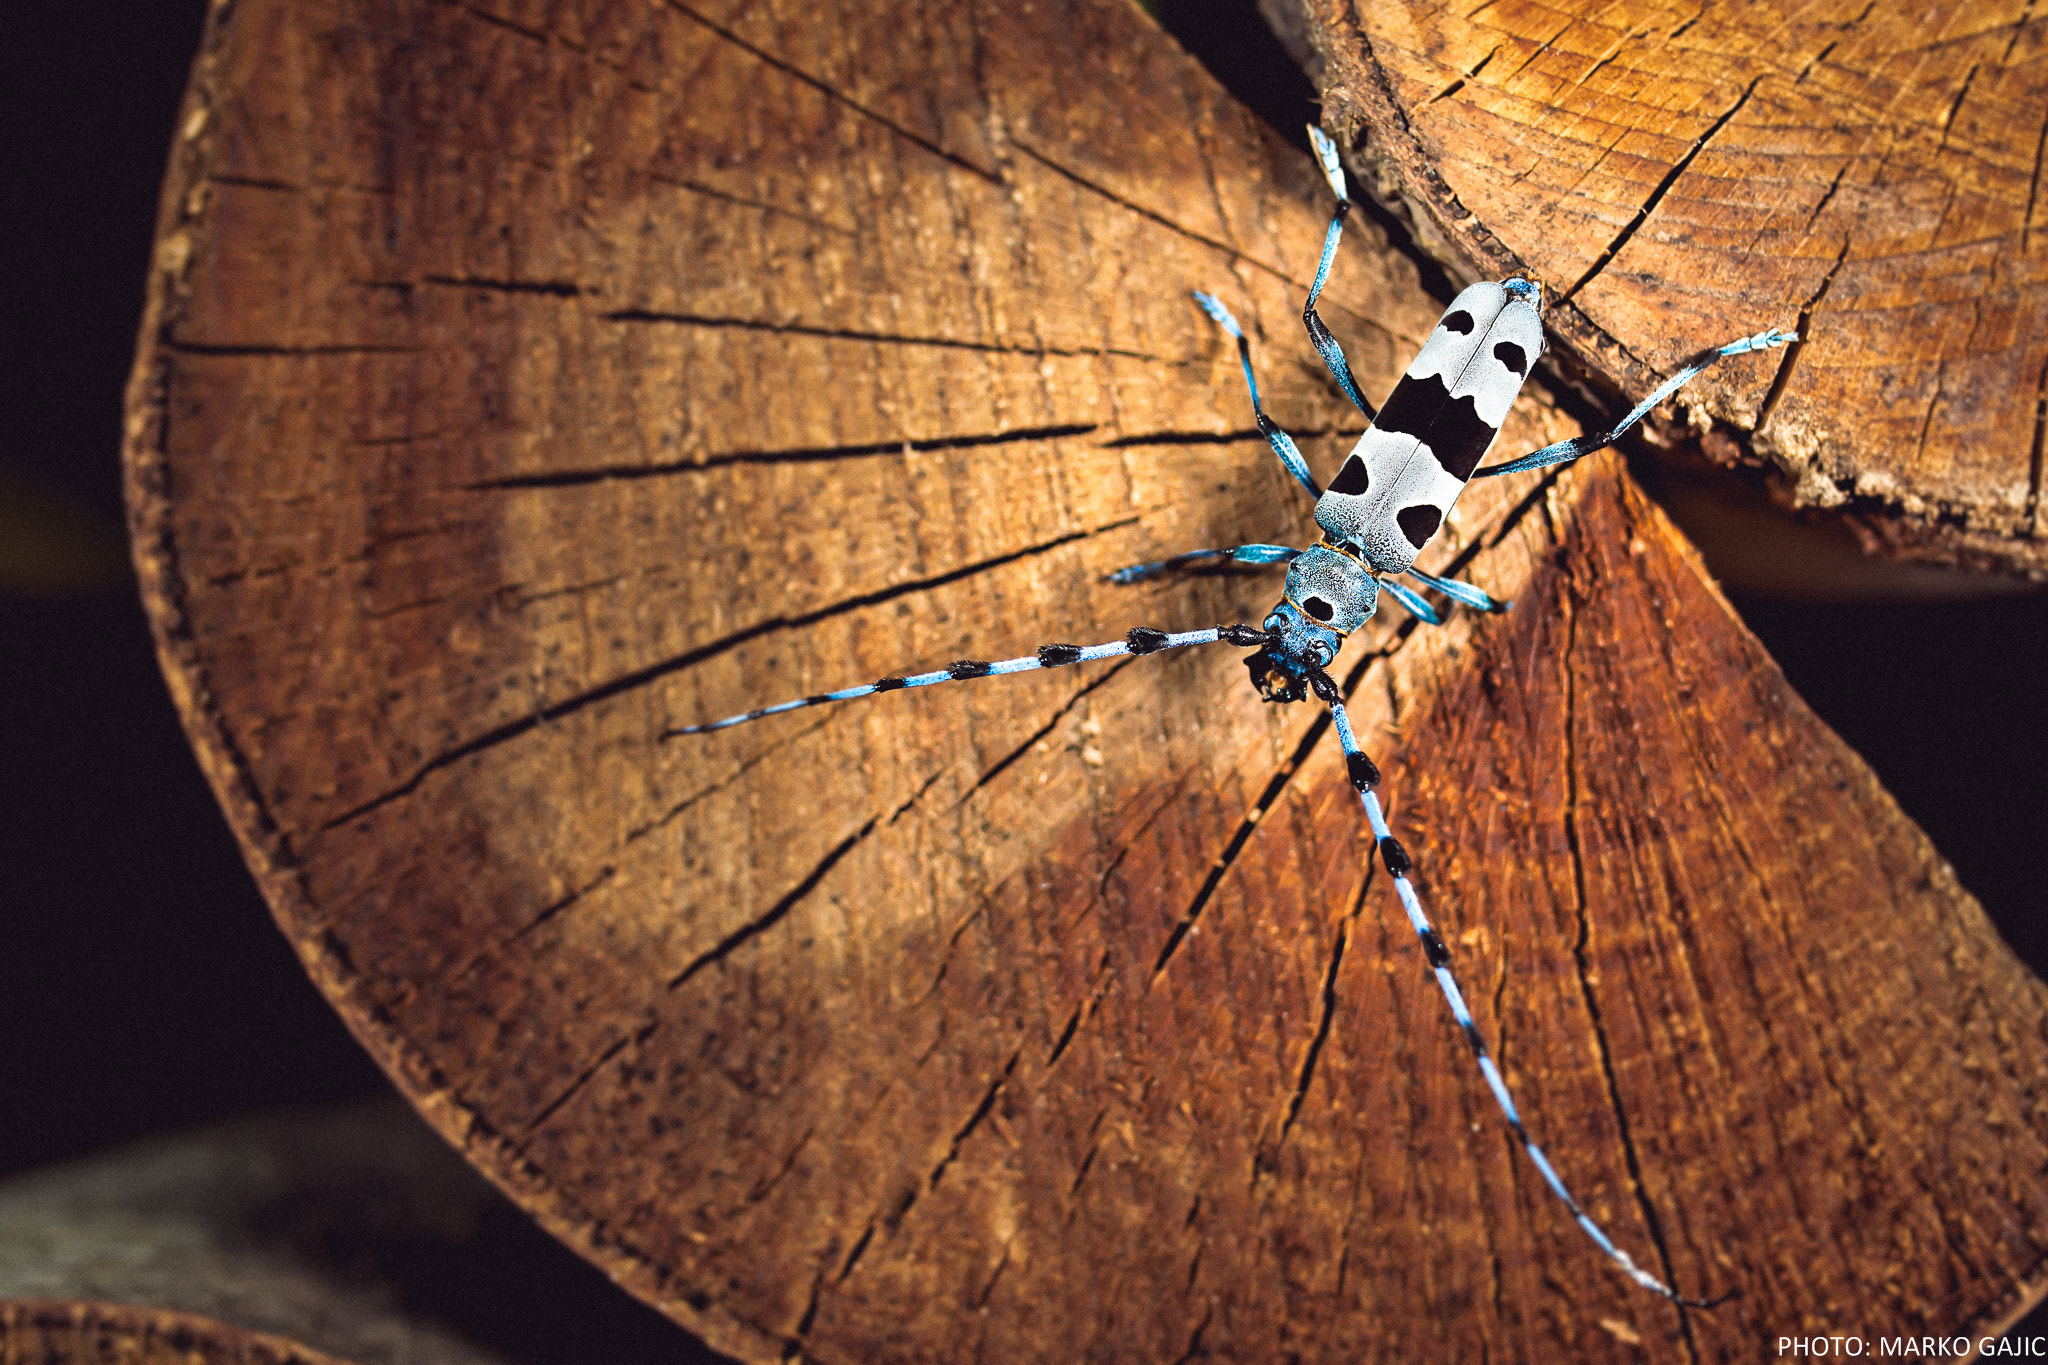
[
  {"x": 1409, "y": 598},
  {"x": 1364, "y": 778},
  {"x": 1565, "y": 451},
  {"x": 1141, "y": 641},
  {"x": 1242, "y": 554},
  {"x": 1476, "y": 598},
  {"x": 1283, "y": 444},
  {"x": 1332, "y": 353}
]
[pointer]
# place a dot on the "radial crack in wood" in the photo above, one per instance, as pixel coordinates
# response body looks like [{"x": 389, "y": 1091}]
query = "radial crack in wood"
[{"x": 522, "y": 383}]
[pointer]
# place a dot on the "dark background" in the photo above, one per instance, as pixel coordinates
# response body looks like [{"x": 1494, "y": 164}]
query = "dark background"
[{"x": 142, "y": 983}]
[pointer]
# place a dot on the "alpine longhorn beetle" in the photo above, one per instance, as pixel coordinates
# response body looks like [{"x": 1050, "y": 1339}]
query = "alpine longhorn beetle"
[{"x": 1389, "y": 498}]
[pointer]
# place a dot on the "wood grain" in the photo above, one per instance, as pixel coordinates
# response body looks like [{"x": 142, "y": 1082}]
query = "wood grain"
[
  {"x": 73, "y": 1332},
  {"x": 524, "y": 381},
  {"x": 1679, "y": 175}
]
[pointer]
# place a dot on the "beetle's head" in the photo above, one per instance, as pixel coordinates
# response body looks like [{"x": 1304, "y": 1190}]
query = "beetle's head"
[
  {"x": 1295, "y": 646},
  {"x": 1330, "y": 593}
]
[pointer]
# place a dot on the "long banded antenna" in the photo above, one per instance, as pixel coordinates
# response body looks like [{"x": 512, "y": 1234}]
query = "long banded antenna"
[
  {"x": 1140, "y": 641},
  {"x": 1365, "y": 778}
]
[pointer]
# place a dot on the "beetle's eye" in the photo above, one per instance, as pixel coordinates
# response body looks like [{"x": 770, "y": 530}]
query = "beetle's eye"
[
  {"x": 1323, "y": 656},
  {"x": 1274, "y": 622}
]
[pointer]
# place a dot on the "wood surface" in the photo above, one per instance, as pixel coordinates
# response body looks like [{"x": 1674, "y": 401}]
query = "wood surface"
[
  {"x": 523, "y": 381},
  {"x": 1678, "y": 174},
  {"x": 75, "y": 1332}
]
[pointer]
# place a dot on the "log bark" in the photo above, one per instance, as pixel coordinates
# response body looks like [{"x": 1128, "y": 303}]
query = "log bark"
[
  {"x": 521, "y": 382},
  {"x": 1677, "y": 176},
  {"x": 75, "y": 1332}
]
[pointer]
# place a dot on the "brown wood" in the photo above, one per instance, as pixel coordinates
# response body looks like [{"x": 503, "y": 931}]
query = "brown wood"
[
  {"x": 521, "y": 382},
  {"x": 1677, "y": 176},
  {"x": 73, "y": 1332}
]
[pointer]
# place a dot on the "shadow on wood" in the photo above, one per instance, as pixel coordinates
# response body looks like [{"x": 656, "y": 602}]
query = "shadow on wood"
[
  {"x": 350, "y": 1228},
  {"x": 522, "y": 382}
]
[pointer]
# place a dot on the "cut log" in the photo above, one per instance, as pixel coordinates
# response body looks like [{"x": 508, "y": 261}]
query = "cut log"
[
  {"x": 74, "y": 1332},
  {"x": 1676, "y": 176},
  {"x": 522, "y": 382}
]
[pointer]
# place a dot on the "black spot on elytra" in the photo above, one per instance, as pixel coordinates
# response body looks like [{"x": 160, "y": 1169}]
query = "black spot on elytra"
[
  {"x": 1418, "y": 523},
  {"x": 1512, "y": 356},
  {"x": 1059, "y": 656},
  {"x": 1353, "y": 478},
  {"x": 1451, "y": 427},
  {"x": 1457, "y": 320},
  {"x": 1318, "y": 608}
]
